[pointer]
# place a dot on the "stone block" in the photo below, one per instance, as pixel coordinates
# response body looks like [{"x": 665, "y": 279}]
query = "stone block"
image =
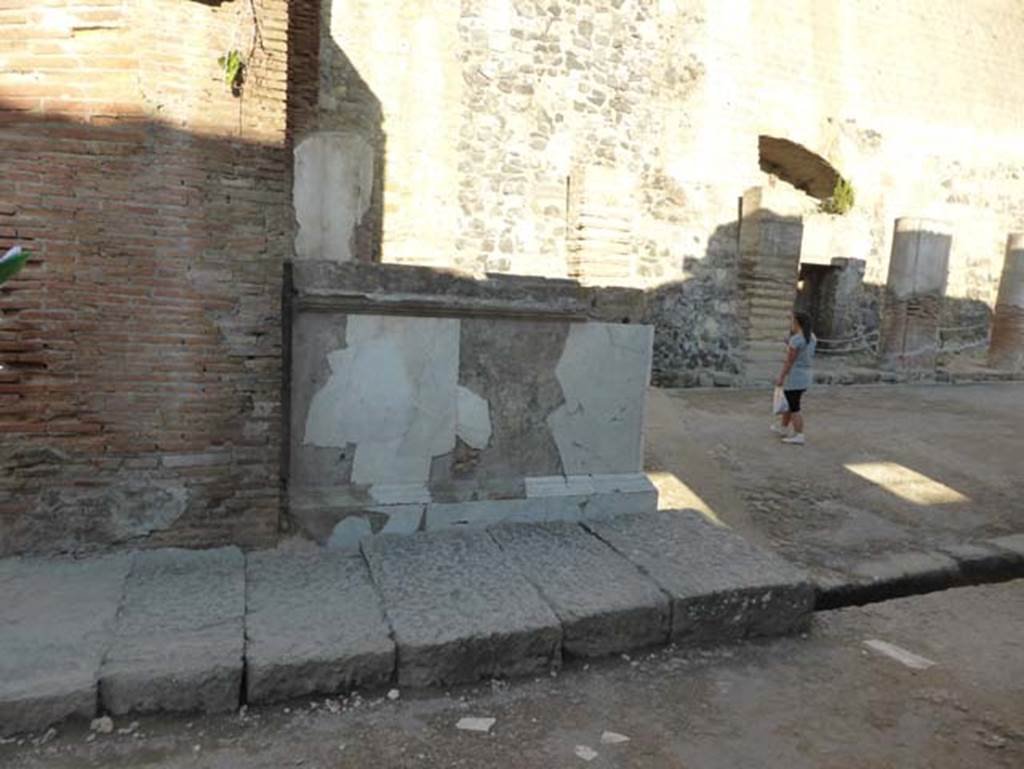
[
  {"x": 923, "y": 569},
  {"x": 56, "y": 622},
  {"x": 604, "y": 372},
  {"x": 333, "y": 183},
  {"x": 459, "y": 609},
  {"x": 314, "y": 625},
  {"x": 555, "y": 498},
  {"x": 985, "y": 562},
  {"x": 1014, "y": 543},
  {"x": 721, "y": 587},
  {"x": 604, "y": 603},
  {"x": 918, "y": 272},
  {"x": 1007, "y": 346},
  {"x": 180, "y": 634}
]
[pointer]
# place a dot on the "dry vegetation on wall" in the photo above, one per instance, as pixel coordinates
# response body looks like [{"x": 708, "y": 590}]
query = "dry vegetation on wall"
[{"x": 842, "y": 199}]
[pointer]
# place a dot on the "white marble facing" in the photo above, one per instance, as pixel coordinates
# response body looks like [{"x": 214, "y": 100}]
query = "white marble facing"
[
  {"x": 332, "y": 191},
  {"x": 473, "y": 419},
  {"x": 392, "y": 393},
  {"x": 604, "y": 372}
]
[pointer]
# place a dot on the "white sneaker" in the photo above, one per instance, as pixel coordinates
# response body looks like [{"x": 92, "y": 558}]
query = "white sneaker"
[
  {"x": 778, "y": 429},
  {"x": 795, "y": 440}
]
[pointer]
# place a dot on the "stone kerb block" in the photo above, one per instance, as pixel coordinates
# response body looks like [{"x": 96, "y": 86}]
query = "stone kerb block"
[
  {"x": 460, "y": 609},
  {"x": 603, "y": 601},
  {"x": 721, "y": 587},
  {"x": 57, "y": 619},
  {"x": 1007, "y": 348},
  {"x": 918, "y": 272},
  {"x": 314, "y": 625},
  {"x": 180, "y": 634}
]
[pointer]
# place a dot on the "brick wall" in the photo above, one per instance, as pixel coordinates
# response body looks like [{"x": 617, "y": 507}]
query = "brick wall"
[{"x": 140, "y": 395}]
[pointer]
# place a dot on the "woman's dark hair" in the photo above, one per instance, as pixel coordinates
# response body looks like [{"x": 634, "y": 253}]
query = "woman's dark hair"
[{"x": 804, "y": 321}]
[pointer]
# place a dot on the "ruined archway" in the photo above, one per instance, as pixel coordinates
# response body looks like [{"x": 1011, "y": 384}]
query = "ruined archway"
[{"x": 798, "y": 166}]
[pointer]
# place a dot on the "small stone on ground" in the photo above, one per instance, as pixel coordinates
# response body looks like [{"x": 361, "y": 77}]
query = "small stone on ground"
[
  {"x": 899, "y": 654},
  {"x": 102, "y": 725},
  {"x": 473, "y": 724},
  {"x": 613, "y": 738},
  {"x": 586, "y": 753}
]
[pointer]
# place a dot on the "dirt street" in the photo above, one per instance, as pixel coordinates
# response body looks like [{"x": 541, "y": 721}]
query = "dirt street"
[
  {"x": 885, "y": 468},
  {"x": 825, "y": 701}
]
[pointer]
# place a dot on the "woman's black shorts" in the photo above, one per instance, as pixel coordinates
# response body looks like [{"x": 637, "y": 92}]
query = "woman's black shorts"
[{"x": 793, "y": 399}]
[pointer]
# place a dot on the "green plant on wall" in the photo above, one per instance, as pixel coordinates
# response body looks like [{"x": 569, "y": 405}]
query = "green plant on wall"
[
  {"x": 234, "y": 70},
  {"x": 12, "y": 262},
  {"x": 841, "y": 200}
]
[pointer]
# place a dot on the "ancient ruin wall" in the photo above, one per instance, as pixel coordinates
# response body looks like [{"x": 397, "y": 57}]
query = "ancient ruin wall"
[
  {"x": 610, "y": 140},
  {"x": 140, "y": 395}
]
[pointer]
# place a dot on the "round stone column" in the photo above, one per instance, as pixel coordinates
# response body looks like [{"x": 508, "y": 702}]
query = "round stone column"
[
  {"x": 918, "y": 270},
  {"x": 1007, "y": 348}
]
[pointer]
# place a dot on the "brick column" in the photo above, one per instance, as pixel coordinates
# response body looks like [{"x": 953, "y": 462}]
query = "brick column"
[
  {"x": 1007, "y": 348},
  {"x": 769, "y": 267},
  {"x": 918, "y": 271}
]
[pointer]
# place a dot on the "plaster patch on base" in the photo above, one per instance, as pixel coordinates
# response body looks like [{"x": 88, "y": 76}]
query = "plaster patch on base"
[
  {"x": 473, "y": 419},
  {"x": 348, "y": 532},
  {"x": 391, "y": 393},
  {"x": 402, "y": 519},
  {"x": 604, "y": 371},
  {"x": 399, "y": 493}
]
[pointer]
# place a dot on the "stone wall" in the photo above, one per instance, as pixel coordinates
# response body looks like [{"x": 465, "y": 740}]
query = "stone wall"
[
  {"x": 140, "y": 390},
  {"x": 610, "y": 141},
  {"x": 424, "y": 401}
]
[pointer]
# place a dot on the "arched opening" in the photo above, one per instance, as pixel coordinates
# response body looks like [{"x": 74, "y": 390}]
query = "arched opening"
[{"x": 798, "y": 166}]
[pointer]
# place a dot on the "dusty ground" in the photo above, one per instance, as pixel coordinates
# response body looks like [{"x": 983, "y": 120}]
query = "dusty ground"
[
  {"x": 939, "y": 464},
  {"x": 819, "y": 702}
]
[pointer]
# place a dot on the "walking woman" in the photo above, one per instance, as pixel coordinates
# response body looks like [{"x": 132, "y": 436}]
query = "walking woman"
[{"x": 797, "y": 375}]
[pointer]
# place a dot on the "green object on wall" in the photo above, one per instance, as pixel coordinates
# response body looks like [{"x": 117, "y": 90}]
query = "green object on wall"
[
  {"x": 842, "y": 200},
  {"x": 12, "y": 262}
]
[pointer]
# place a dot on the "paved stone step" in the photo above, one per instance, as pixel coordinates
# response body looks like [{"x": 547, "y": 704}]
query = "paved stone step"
[
  {"x": 314, "y": 625},
  {"x": 459, "y": 609},
  {"x": 604, "y": 603},
  {"x": 771, "y": 307},
  {"x": 721, "y": 586},
  {"x": 774, "y": 355},
  {"x": 179, "y": 640},
  {"x": 769, "y": 289},
  {"x": 894, "y": 575},
  {"x": 56, "y": 622},
  {"x": 764, "y": 349},
  {"x": 769, "y": 274},
  {"x": 173, "y": 629},
  {"x": 759, "y": 292},
  {"x": 774, "y": 346}
]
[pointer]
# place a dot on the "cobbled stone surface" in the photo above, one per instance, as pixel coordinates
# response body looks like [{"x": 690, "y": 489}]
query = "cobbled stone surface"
[
  {"x": 56, "y": 622},
  {"x": 604, "y": 602},
  {"x": 459, "y": 609},
  {"x": 314, "y": 625},
  {"x": 721, "y": 586},
  {"x": 180, "y": 634}
]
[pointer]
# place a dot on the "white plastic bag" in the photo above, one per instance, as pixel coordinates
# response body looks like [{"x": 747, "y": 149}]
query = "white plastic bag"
[{"x": 779, "y": 403}]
